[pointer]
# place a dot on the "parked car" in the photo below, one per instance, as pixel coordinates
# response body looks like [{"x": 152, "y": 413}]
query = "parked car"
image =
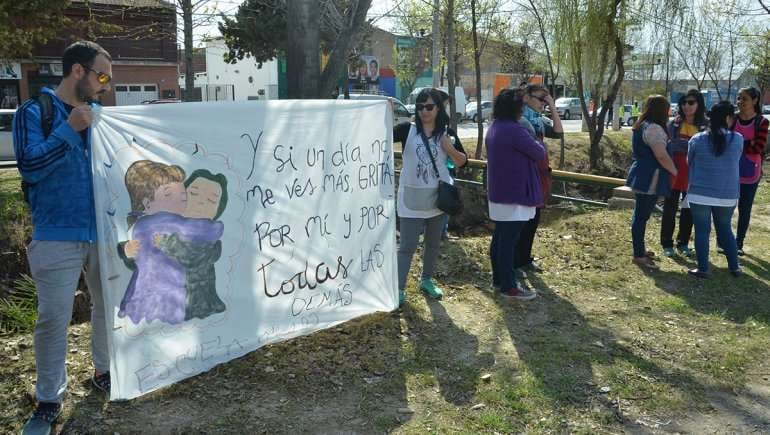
[
  {"x": 568, "y": 107},
  {"x": 6, "y": 136},
  {"x": 459, "y": 104},
  {"x": 161, "y": 101},
  {"x": 766, "y": 109},
  {"x": 400, "y": 112},
  {"x": 486, "y": 110}
]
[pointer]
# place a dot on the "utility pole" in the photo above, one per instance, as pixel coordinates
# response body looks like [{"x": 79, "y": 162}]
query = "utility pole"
[
  {"x": 189, "y": 72},
  {"x": 436, "y": 42}
]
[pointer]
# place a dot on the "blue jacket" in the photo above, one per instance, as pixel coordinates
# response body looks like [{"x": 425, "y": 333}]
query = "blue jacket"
[
  {"x": 645, "y": 164},
  {"x": 711, "y": 175},
  {"x": 58, "y": 170}
]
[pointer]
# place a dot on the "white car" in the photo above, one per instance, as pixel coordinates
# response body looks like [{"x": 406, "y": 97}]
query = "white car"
[
  {"x": 486, "y": 111},
  {"x": 6, "y": 136},
  {"x": 400, "y": 112},
  {"x": 568, "y": 107}
]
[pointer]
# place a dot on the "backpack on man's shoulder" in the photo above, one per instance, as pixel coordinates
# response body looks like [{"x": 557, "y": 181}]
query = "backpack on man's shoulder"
[{"x": 46, "y": 123}]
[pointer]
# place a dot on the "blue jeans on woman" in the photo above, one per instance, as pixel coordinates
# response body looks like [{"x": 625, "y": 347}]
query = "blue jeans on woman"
[
  {"x": 701, "y": 217},
  {"x": 642, "y": 211},
  {"x": 501, "y": 253},
  {"x": 745, "y": 202}
]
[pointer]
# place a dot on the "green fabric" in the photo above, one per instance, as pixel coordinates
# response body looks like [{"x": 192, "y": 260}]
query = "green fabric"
[{"x": 197, "y": 259}]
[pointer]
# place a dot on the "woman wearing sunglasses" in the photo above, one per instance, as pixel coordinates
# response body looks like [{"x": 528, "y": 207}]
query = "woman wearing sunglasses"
[
  {"x": 426, "y": 143},
  {"x": 753, "y": 127},
  {"x": 690, "y": 119},
  {"x": 513, "y": 187}
]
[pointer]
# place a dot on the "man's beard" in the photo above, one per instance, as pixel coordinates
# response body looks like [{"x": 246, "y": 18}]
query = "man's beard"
[{"x": 83, "y": 90}]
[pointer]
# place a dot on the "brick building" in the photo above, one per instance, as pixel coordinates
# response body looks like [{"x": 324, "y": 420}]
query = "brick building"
[{"x": 143, "y": 50}]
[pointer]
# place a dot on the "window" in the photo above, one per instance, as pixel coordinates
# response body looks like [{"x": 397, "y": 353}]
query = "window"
[
  {"x": 150, "y": 88},
  {"x": 121, "y": 88},
  {"x": 5, "y": 122},
  {"x": 135, "y": 88}
]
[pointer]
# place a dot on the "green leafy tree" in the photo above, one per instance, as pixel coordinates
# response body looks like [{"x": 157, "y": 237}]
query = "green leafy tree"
[{"x": 29, "y": 23}]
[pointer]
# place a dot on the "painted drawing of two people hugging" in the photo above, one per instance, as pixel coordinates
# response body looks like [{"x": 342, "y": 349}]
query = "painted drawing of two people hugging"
[{"x": 175, "y": 241}]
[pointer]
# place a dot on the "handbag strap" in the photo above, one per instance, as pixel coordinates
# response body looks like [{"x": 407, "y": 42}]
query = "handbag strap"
[{"x": 430, "y": 154}]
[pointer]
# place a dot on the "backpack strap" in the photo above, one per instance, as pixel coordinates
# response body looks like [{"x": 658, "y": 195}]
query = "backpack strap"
[{"x": 46, "y": 113}]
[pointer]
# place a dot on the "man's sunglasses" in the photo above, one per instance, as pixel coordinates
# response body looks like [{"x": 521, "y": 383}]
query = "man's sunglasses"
[
  {"x": 101, "y": 77},
  {"x": 429, "y": 107},
  {"x": 542, "y": 99},
  {"x": 689, "y": 103}
]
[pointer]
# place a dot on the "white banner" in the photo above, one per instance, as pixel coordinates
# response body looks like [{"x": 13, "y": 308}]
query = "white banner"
[{"x": 227, "y": 226}]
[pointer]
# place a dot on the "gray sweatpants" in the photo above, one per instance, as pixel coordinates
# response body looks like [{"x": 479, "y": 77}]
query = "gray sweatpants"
[
  {"x": 56, "y": 268},
  {"x": 410, "y": 230}
]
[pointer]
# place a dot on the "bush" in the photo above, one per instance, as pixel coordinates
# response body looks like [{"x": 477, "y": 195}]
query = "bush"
[{"x": 18, "y": 310}]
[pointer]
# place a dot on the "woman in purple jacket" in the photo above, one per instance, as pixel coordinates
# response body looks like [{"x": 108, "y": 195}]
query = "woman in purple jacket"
[{"x": 513, "y": 187}]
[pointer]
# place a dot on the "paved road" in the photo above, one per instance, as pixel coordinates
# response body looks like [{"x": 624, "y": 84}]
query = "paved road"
[{"x": 469, "y": 129}]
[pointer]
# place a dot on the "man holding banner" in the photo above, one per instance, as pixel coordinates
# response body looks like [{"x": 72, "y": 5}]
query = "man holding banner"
[{"x": 52, "y": 145}]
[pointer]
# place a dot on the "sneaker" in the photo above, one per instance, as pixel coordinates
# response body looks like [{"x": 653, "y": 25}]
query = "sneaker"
[
  {"x": 721, "y": 251},
  {"x": 42, "y": 419},
  {"x": 668, "y": 252},
  {"x": 698, "y": 274},
  {"x": 740, "y": 252},
  {"x": 102, "y": 382},
  {"x": 645, "y": 262},
  {"x": 401, "y": 297},
  {"x": 520, "y": 274},
  {"x": 430, "y": 289},
  {"x": 521, "y": 294},
  {"x": 650, "y": 255},
  {"x": 533, "y": 267},
  {"x": 736, "y": 273},
  {"x": 685, "y": 250}
]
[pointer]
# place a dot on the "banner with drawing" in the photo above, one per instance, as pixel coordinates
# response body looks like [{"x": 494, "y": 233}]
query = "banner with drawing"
[{"x": 227, "y": 226}]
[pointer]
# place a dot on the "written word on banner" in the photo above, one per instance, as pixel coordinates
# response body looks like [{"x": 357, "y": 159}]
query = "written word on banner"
[{"x": 227, "y": 226}]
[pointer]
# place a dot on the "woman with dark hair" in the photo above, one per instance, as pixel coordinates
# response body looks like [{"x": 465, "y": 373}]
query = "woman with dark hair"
[
  {"x": 513, "y": 187},
  {"x": 753, "y": 127},
  {"x": 426, "y": 150},
  {"x": 648, "y": 175},
  {"x": 714, "y": 187},
  {"x": 690, "y": 119}
]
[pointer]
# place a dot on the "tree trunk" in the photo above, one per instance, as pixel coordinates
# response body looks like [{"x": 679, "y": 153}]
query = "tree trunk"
[
  {"x": 336, "y": 65},
  {"x": 477, "y": 67},
  {"x": 189, "y": 72},
  {"x": 436, "y": 55},
  {"x": 450, "y": 32},
  {"x": 303, "y": 63}
]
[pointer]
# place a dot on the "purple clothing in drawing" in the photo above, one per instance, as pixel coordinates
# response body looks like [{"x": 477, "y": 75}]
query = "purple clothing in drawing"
[{"x": 157, "y": 287}]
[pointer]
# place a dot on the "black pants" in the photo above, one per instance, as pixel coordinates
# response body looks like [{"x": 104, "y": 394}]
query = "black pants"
[
  {"x": 667, "y": 224},
  {"x": 523, "y": 252},
  {"x": 745, "y": 202}
]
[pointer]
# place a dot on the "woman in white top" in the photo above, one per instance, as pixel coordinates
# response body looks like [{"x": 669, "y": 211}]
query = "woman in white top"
[{"x": 418, "y": 189}]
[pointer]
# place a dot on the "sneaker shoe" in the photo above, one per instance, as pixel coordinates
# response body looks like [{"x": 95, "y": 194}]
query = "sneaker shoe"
[
  {"x": 102, "y": 382},
  {"x": 721, "y": 251},
  {"x": 645, "y": 262},
  {"x": 698, "y": 274},
  {"x": 520, "y": 274},
  {"x": 42, "y": 419},
  {"x": 401, "y": 297},
  {"x": 430, "y": 289},
  {"x": 533, "y": 267},
  {"x": 736, "y": 273},
  {"x": 685, "y": 250},
  {"x": 740, "y": 252},
  {"x": 521, "y": 294},
  {"x": 668, "y": 252}
]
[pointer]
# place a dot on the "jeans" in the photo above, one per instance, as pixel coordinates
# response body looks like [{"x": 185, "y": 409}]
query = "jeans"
[
  {"x": 701, "y": 216},
  {"x": 745, "y": 202},
  {"x": 56, "y": 268},
  {"x": 501, "y": 250},
  {"x": 642, "y": 211},
  {"x": 410, "y": 230},
  {"x": 668, "y": 222},
  {"x": 523, "y": 253}
]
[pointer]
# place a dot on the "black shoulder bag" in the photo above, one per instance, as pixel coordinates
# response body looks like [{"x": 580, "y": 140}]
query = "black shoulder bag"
[{"x": 448, "y": 195}]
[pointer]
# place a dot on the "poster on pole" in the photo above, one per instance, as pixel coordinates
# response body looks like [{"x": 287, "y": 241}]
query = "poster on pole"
[{"x": 226, "y": 226}]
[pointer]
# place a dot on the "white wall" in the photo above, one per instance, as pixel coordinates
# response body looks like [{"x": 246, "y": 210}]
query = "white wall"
[{"x": 220, "y": 73}]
